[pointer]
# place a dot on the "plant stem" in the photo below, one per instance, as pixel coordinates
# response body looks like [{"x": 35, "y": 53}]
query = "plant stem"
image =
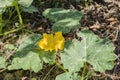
[
  {"x": 61, "y": 67},
  {"x": 12, "y": 31},
  {"x": 19, "y": 14},
  {"x": 0, "y": 23},
  {"x": 84, "y": 71}
]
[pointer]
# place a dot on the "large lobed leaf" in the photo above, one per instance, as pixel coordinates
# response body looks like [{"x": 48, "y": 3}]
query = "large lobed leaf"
[
  {"x": 30, "y": 60},
  {"x": 30, "y": 56},
  {"x": 25, "y": 57},
  {"x": 93, "y": 50},
  {"x": 68, "y": 76},
  {"x": 65, "y": 20}
]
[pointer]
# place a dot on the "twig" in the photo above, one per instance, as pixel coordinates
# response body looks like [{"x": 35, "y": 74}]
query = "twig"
[
  {"x": 48, "y": 72},
  {"x": 2, "y": 70}
]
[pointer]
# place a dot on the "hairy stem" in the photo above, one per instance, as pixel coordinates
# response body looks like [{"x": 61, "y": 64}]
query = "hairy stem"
[
  {"x": 12, "y": 31},
  {"x": 84, "y": 71},
  {"x": 0, "y": 23},
  {"x": 19, "y": 14},
  {"x": 61, "y": 67}
]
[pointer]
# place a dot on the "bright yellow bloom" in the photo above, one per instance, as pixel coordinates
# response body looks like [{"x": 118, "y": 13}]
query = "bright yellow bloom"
[{"x": 52, "y": 42}]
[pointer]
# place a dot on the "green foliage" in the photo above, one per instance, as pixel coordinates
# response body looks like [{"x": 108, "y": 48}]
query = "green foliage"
[
  {"x": 68, "y": 76},
  {"x": 25, "y": 3},
  {"x": 18, "y": 5},
  {"x": 26, "y": 61},
  {"x": 76, "y": 55},
  {"x": 71, "y": 57},
  {"x": 3, "y": 63},
  {"x": 94, "y": 47},
  {"x": 46, "y": 56},
  {"x": 1, "y": 24},
  {"x": 11, "y": 46},
  {"x": 5, "y": 3},
  {"x": 29, "y": 9},
  {"x": 93, "y": 50},
  {"x": 25, "y": 6},
  {"x": 65, "y": 20},
  {"x": 30, "y": 56},
  {"x": 25, "y": 57},
  {"x": 89, "y": 50}
]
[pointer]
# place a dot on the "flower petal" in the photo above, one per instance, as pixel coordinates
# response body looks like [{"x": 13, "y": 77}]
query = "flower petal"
[
  {"x": 59, "y": 39},
  {"x": 50, "y": 42}
]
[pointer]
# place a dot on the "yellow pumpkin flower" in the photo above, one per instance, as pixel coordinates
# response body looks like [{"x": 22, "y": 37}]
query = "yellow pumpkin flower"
[{"x": 52, "y": 42}]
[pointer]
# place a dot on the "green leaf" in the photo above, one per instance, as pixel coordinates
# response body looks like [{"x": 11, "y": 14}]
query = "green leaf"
[
  {"x": 25, "y": 3},
  {"x": 26, "y": 56},
  {"x": 3, "y": 63},
  {"x": 68, "y": 76},
  {"x": 29, "y": 9},
  {"x": 27, "y": 61},
  {"x": 71, "y": 57},
  {"x": 30, "y": 56},
  {"x": 31, "y": 44},
  {"x": 5, "y": 3},
  {"x": 65, "y": 20},
  {"x": 97, "y": 52},
  {"x": 10, "y": 46},
  {"x": 100, "y": 52},
  {"x": 46, "y": 56}
]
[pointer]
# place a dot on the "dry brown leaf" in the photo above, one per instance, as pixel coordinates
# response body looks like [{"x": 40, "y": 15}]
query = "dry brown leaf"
[
  {"x": 111, "y": 19},
  {"x": 95, "y": 26}
]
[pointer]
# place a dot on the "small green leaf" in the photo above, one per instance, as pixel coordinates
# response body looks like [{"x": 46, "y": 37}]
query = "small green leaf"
[
  {"x": 29, "y": 9},
  {"x": 25, "y": 3},
  {"x": 3, "y": 63},
  {"x": 11, "y": 46},
  {"x": 68, "y": 76},
  {"x": 33, "y": 79},
  {"x": 5, "y": 3},
  {"x": 97, "y": 52},
  {"x": 65, "y": 20},
  {"x": 46, "y": 56}
]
